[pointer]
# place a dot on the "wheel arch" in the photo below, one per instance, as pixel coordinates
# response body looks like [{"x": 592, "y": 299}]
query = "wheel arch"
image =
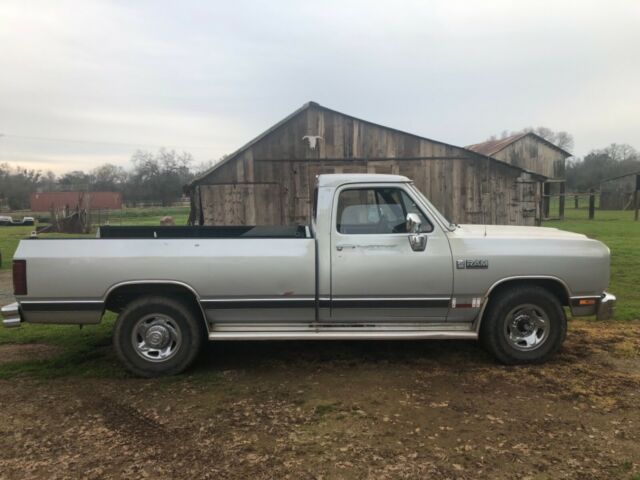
[
  {"x": 120, "y": 294},
  {"x": 554, "y": 285}
]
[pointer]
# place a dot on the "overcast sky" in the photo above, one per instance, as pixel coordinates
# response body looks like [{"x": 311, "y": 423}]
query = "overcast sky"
[{"x": 206, "y": 76}]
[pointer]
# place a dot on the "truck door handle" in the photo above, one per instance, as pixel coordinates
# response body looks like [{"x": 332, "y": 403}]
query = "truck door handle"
[{"x": 343, "y": 246}]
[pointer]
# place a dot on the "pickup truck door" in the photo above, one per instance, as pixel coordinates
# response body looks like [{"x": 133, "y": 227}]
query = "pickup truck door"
[{"x": 376, "y": 274}]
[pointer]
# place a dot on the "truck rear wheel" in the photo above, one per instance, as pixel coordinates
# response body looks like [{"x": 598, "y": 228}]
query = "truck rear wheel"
[
  {"x": 157, "y": 336},
  {"x": 524, "y": 324}
]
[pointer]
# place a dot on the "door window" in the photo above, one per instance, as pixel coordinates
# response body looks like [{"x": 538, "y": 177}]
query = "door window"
[{"x": 376, "y": 210}]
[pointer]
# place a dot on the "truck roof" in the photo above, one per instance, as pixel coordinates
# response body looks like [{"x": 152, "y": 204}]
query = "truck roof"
[{"x": 337, "y": 179}]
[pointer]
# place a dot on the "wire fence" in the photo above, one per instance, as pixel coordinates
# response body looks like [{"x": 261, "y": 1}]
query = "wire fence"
[{"x": 556, "y": 205}]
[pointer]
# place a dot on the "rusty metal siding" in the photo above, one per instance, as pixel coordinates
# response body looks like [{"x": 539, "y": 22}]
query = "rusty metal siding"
[{"x": 45, "y": 201}]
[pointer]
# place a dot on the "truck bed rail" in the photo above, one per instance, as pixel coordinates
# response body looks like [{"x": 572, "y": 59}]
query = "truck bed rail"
[{"x": 207, "y": 231}]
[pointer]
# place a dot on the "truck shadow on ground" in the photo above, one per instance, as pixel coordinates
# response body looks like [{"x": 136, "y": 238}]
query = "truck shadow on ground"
[{"x": 258, "y": 354}]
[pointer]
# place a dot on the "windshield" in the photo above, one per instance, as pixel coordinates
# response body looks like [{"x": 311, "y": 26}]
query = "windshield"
[{"x": 443, "y": 220}]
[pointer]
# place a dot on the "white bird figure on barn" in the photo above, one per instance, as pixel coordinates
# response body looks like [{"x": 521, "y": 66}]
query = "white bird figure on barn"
[{"x": 313, "y": 140}]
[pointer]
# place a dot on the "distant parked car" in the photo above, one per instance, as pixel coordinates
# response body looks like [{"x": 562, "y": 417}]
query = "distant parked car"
[{"x": 7, "y": 221}]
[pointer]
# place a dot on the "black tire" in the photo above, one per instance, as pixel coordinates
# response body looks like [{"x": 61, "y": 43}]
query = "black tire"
[
  {"x": 509, "y": 310},
  {"x": 183, "y": 342}
]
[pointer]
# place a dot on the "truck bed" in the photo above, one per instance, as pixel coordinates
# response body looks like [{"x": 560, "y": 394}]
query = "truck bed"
[{"x": 230, "y": 269}]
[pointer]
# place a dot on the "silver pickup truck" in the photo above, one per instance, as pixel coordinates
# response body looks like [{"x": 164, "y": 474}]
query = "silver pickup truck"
[{"x": 377, "y": 261}]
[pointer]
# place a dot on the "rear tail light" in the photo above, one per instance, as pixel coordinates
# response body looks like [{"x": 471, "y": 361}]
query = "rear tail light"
[{"x": 19, "y": 277}]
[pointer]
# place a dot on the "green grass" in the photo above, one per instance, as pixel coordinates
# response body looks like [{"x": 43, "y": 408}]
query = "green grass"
[
  {"x": 9, "y": 238},
  {"x": 149, "y": 215},
  {"x": 83, "y": 352},
  {"x": 621, "y": 234}
]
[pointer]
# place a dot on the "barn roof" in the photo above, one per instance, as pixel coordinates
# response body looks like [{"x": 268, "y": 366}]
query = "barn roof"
[
  {"x": 248, "y": 145},
  {"x": 491, "y": 147},
  {"x": 610, "y": 179},
  {"x": 311, "y": 104}
]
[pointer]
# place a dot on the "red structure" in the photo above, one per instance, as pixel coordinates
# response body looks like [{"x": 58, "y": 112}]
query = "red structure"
[{"x": 44, "y": 202}]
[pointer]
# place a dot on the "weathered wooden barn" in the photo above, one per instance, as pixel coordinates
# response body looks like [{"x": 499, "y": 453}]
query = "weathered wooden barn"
[
  {"x": 534, "y": 154},
  {"x": 271, "y": 179},
  {"x": 528, "y": 151}
]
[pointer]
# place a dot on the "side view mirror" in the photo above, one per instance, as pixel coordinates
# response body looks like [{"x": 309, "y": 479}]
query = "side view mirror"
[
  {"x": 413, "y": 223},
  {"x": 417, "y": 240}
]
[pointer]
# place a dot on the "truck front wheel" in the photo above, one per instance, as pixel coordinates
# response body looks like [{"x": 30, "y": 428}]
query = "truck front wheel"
[
  {"x": 157, "y": 336},
  {"x": 523, "y": 324}
]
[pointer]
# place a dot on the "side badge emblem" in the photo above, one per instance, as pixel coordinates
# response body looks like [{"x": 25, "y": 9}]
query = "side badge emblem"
[{"x": 478, "y": 263}]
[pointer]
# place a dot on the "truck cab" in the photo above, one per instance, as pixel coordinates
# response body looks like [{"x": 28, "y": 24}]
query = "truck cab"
[{"x": 374, "y": 265}]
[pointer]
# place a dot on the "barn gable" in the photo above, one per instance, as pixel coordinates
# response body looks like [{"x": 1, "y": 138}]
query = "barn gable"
[
  {"x": 528, "y": 151},
  {"x": 271, "y": 179}
]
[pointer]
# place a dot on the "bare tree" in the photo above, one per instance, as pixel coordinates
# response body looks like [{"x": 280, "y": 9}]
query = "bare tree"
[
  {"x": 564, "y": 140},
  {"x": 17, "y": 184},
  {"x": 158, "y": 177},
  {"x": 561, "y": 139},
  {"x": 611, "y": 161},
  {"x": 619, "y": 152},
  {"x": 108, "y": 177}
]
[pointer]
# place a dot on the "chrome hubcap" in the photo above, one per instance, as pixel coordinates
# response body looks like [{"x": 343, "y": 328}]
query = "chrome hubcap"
[
  {"x": 526, "y": 327},
  {"x": 156, "y": 337}
]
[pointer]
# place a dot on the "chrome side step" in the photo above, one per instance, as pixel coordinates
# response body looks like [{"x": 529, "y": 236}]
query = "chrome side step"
[{"x": 345, "y": 335}]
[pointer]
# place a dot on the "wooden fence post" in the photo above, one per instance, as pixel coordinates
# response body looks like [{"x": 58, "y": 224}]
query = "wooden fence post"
[
  {"x": 561, "y": 201},
  {"x": 576, "y": 202},
  {"x": 592, "y": 203},
  {"x": 546, "y": 199},
  {"x": 636, "y": 197}
]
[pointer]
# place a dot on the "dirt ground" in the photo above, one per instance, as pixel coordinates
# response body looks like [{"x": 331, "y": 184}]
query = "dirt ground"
[
  {"x": 24, "y": 352},
  {"x": 340, "y": 410},
  {"x": 322, "y": 410}
]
